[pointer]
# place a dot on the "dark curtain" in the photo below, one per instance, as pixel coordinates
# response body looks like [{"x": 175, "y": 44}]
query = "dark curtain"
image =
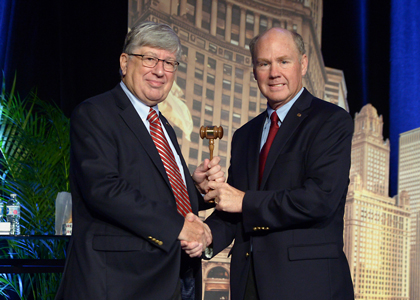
[
  {"x": 405, "y": 75},
  {"x": 66, "y": 50}
]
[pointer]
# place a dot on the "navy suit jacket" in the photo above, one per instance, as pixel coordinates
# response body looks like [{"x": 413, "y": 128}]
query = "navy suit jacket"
[
  {"x": 293, "y": 224},
  {"x": 125, "y": 222}
]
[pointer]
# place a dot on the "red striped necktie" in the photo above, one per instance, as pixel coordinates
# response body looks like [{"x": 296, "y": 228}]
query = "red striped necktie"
[
  {"x": 178, "y": 186},
  {"x": 274, "y": 127}
]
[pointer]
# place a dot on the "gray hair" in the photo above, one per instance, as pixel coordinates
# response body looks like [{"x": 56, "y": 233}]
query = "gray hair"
[
  {"x": 153, "y": 35},
  {"x": 297, "y": 38}
]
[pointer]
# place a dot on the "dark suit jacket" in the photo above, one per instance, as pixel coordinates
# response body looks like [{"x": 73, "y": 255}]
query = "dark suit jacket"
[
  {"x": 125, "y": 222},
  {"x": 293, "y": 224}
]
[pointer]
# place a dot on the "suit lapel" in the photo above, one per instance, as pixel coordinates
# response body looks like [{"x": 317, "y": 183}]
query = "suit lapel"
[
  {"x": 297, "y": 113},
  {"x": 254, "y": 150},
  {"x": 133, "y": 121}
]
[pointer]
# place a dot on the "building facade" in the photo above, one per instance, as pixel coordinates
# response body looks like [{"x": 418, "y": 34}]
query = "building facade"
[
  {"x": 377, "y": 227},
  {"x": 215, "y": 80},
  {"x": 409, "y": 181}
]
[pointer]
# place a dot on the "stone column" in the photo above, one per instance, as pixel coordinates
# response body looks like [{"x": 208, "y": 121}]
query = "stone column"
[
  {"x": 182, "y": 7},
  {"x": 228, "y": 25},
  {"x": 174, "y": 7},
  {"x": 242, "y": 28},
  {"x": 213, "y": 22},
  {"x": 198, "y": 13},
  {"x": 256, "y": 24},
  {"x": 269, "y": 22}
]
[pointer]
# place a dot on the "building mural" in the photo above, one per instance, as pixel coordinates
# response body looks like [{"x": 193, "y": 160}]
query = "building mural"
[{"x": 214, "y": 85}]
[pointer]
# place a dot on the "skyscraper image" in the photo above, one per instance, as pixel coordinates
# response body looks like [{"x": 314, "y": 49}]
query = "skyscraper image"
[
  {"x": 215, "y": 85},
  {"x": 376, "y": 226},
  {"x": 409, "y": 182}
]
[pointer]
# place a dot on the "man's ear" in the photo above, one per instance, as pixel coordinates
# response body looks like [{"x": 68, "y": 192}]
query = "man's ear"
[
  {"x": 123, "y": 63},
  {"x": 304, "y": 64}
]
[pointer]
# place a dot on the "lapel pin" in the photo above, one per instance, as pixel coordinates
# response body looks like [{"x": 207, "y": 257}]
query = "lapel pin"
[{"x": 299, "y": 115}]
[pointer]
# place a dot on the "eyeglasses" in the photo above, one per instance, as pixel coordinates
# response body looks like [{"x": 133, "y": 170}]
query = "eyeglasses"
[{"x": 151, "y": 62}]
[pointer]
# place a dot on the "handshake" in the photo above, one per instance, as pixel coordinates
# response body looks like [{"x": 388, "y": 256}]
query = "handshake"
[{"x": 195, "y": 235}]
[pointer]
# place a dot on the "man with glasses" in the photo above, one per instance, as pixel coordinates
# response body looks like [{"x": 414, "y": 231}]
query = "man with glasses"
[{"x": 133, "y": 198}]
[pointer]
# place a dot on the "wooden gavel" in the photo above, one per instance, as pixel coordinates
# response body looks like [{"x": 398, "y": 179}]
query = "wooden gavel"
[{"x": 211, "y": 133}]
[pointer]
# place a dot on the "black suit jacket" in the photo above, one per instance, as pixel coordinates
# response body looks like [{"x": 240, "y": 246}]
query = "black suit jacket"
[
  {"x": 125, "y": 222},
  {"x": 293, "y": 224}
]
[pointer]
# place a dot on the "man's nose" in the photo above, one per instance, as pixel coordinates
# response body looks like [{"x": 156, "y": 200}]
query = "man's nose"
[{"x": 158, "y": 69}]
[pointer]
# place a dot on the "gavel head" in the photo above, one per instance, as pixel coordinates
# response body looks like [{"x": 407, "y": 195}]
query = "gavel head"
[{"x": 211, "y": 132}]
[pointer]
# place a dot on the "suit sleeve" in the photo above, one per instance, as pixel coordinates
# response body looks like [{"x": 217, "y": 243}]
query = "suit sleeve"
[
  {"x": 109, "y": 196},
  {"x": 323, "y": 187}
]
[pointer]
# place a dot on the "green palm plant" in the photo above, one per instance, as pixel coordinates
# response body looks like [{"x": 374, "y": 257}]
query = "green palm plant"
[{"x": 34, "y": 159}]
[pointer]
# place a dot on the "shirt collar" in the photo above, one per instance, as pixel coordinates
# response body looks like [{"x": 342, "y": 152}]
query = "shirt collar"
[
  {"x": 283, "y": 110},
  {"x": 141, "y": 108}
]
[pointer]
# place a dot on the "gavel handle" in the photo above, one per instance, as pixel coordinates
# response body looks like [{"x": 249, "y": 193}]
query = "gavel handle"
[{"x": 211, "y": 147}]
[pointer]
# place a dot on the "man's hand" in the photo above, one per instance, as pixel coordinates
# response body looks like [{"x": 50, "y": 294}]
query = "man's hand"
[
  {"x": 208, "y": 171},
  {"x": 226, "y": 197},
  {"x": 195, "y": 236}
]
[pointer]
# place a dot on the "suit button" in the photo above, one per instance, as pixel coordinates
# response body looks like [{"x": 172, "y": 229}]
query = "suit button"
[
  {"x": 255, "y": 228},
  {"x": 160, "y": 243},
  {"x": 247, "y": 254}
]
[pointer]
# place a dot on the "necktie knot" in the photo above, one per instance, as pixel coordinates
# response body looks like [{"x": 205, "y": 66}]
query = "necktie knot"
[
  {"x": 152, "y": 117},
  {"x": 274, "y": 119}
]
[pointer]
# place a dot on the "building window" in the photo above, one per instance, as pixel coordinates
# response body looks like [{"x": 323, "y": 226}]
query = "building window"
[
  {"x": 199, "y": 74},
  {"x": 249, "y": 28},
  {"x": 225, "y": 99},
  {"x": 223, "y": 145},
  {"x": 263, "y": 23},
  {"x": 276, "y": 23},
  {"x": 211, "y": 63},
  {"x": 205, "y": 16},
  {"x": 240, "y": 58},
  {"x": 252, "y": 106},
  {"x": 209, "y": 94},
  {"x": 218, "y": 272},
  {"x": 182, "y": 83},
  {"x": 236, "y": 20},
  {"x": 227, "y": 70},
  {"x": 193, "y": 153},
  {"x": 195, "y": 137},
  {"x": 197, "y": 106},
  {"x": 198, "y": 90},
  {"x": 237, "y": 102},
  {"x": 208, "y": 110},
  {"x": 224, "y": 115},
  {"x": 226, "y": 84},
  {"x": 196, "y": 120},
  {"x": 221, "y": 19},
  {"x": 210, "y": 78},
  {"x": 212, "y": 48},
  {"x": 228, "y": 55},
  {"x": 238, "y": 88},
  {"x": 184, "y": 50},
  {"x": 239, "y": 73},
  {"x": 236, "y": 118},
  {"x": 178, "y": 132},
  {"x": 182, "y": 67},
  {"x": 201, "y": 43},
  {"x": 253, "y": 91},
  {"x": 251, "y": 77},
  {"x": 199, "y": 58},
  {"x": 191, "y": 11}
]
